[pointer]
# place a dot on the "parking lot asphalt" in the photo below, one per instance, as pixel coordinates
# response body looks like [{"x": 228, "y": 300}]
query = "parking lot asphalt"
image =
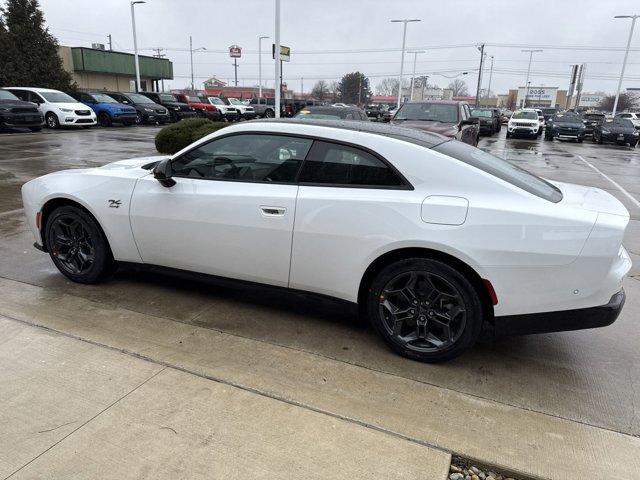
[{"x": 563, "y": 405}]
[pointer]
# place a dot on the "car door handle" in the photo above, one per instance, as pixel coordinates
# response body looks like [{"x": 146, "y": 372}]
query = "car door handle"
[{"x": 272, "y": 211}]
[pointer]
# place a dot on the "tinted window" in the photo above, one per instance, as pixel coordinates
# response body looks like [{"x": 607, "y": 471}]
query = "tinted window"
[
  {"x": 438, "y": 112},
  {"x": 57, "y": 97},
  {"x": 19, "y": 95},
  {"x": 500, "y": 168},
  {"x": 251, "y": 158},
  {"x": 334, "y": 164},
  {"x": 623, "y": 122},
  {"x": 528, "y": 115}
]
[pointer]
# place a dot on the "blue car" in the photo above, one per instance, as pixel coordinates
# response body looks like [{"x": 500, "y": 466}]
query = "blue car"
[{"x": 108, "y": 110}]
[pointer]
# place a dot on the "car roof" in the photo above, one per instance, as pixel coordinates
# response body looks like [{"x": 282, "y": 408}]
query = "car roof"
[
  {"x": 35, "y": 89},
  {"x": 445, "y": 102},
  {"x": 417, "y": 137}
]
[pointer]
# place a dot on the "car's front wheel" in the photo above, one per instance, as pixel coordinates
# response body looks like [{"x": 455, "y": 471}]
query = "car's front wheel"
[
  {"x": 104, "y": 119},
  {"x": 425, "y": 309},
  {"x": 77, "y": 245},
  {"x": 51, "y": 120}
]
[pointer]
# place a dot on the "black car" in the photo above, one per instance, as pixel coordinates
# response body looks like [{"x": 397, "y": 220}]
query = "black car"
[
  {"x": 548, "y": 112},
  {"x": 616, "y": 130},
  {"x": 333, "y": 113},
  {"x": 147, "y": 111},
  {"x": 590, "y": 121},
  {"x": 565, "y": 126},
  {"x": 177, "y": 110},
  {"x": 374, "y": 111},
  {"x": 488, "y": 120},
  {"x": 15, "y": 113}
]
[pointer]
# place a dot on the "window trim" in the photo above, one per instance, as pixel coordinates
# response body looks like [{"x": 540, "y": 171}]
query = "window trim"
[{"x": 406, "y": 185}]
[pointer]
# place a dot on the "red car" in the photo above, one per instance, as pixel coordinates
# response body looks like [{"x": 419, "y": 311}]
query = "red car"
[{"x": 205, "y": 110}]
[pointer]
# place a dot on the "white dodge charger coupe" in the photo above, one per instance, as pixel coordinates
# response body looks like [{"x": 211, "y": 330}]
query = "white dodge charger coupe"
[{"x": 429, "y": 236}]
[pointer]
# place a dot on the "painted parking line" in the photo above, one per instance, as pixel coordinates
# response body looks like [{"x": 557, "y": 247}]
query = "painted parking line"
[{"x": 616, "y": 184}]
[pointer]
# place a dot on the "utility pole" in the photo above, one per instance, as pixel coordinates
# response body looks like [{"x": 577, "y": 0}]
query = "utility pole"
[
  {"x": 301, "y": 87},
  {"x": 481, "y": 49},
  {"x": 260, "y": 65},
  {"x": 490, "y": 76},
  {"x": 110, "y": 42},
  {"x": 526, "y": 88},
  {"x": 404, "y": 41},
  {"x": 235, "y": 70},
  {"x": 425, "y": 79},
  {"x": 191, "y": 57},
  {"x": 624, "y": 62},
  {"x": 413, "y": 77},
  {"x": 277, "y": 62}
]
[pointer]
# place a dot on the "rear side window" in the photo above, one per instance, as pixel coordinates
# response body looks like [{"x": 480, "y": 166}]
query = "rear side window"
[
  {"x": 500, "y": 168},
  {"x": 342, "y": 165}
]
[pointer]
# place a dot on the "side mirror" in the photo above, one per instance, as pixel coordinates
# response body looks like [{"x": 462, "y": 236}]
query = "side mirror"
[{"x": 162, "y": 172}]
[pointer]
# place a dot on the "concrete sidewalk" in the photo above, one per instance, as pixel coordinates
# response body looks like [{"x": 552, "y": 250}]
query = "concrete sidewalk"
[
  {"x": 518, "y": 440},
  {"x": 74, "y": 410}
]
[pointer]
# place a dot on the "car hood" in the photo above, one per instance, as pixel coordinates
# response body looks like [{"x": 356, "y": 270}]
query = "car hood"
[
  {"x": 568, "y": 124},
  {"x": 72, "y": 106},
  {"x": 443, "y": 128},
  {"x": 16, "y": 103},
  {"x": 525, "y": 120},
  {"x": 618, "y": 129}
]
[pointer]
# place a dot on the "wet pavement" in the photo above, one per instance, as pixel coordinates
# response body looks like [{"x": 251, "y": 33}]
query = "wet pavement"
[{"x": 588, "y": 378}]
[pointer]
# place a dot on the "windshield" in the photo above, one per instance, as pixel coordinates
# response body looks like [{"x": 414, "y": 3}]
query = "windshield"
[
  {"x": 525, "y": 115},
  {"x": 593, "y": 116},
  {"x": 215, "y": 101},
  {"x": 500, "y": 168},
  {"x": 167, "y": 97},
  {"x": 235, "y": 101},
  {"x": 481, "y": 113},
  {"x": 4, "y": 95},
  {"x": 102, "y": 98},
  {"x": 137, "y": 98},
  {"x": 435, "y": 112},
  {"x": 57, "y": 97},
  {"x": 623, "y": 122},
  {"x": 568, "y": 117}
]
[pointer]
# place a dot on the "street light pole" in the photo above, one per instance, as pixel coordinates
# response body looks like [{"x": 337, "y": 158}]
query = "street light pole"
[
  {"x": 404, "y": 40},
  {"x": 526, "y": 90},
  {"x": 481, "y": 49},
  {"x": 260, "y": 64},
  {"x": 278, "y": 82},
  {"x": 624, "y": 62},
  {"x": 135, "y": 42},
  {"x": 490, "y": 76},
  {"x": 413, "y": 77},
  {"x": 191, "y": 50}
]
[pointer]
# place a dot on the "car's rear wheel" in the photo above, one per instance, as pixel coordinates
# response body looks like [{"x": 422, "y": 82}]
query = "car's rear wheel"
[
  {"x": 269, "y": 113},
  {"x": 425, "y": 309},
  {"x": 77, "y": 245}
]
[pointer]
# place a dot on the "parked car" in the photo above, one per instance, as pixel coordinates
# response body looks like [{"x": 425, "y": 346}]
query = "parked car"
[
  {"x": 388, "y": 114},
  {"x": 523, "y": 122},
  {"x": 634, "y": 117},
  {"x": 329, "y": 112},
  {"x": 107, "y": 110},
  {"x": 177, "y": 110},
  {"x": 548, "y": 112},
  {"x": 245, "y": 111},
  {"x": 264, "y": 107},
  {"x": 202, "y": 107},
  {"x": 488, "y": 121},
  {"x": 505, "y": 115},
  {"x": 616, "y": 130},
  {"x": 58, "y": 108},
  {"x": 565, "y": 126},
  {"x": 590, "y": 120},
  {"x": 430, "y": 237},
  {"x": 16, "y": 113},
  {"x": 541, "y": 120},
  {"x": 227, "y": 112},
  {"x": 374, "y": 111},
  {"x": 147, "y": 111},
  {"x": 447, "y": 117}
]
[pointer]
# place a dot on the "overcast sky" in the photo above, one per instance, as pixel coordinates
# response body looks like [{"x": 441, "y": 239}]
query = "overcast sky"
[{"x": 352, "y": 28}]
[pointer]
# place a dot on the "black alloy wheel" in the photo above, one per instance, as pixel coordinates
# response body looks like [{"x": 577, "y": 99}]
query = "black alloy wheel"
[
  {"x": 425, "y": 310},
  {"x": 52, "y": 120},
  {"x": 138, "y": 118},
  {"x": 77, "y": 245}
]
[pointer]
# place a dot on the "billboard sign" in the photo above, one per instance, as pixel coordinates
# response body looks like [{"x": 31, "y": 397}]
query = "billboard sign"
[
  {"x": 285, "y": 52},
  {"x": 235, "y": 51}
]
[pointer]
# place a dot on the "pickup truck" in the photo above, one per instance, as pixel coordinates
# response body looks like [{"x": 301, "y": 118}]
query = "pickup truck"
[{"x": 204, "y": 109}]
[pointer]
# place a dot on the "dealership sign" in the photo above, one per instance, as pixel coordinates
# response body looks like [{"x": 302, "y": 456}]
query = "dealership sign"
[
  {"x": 285, "y": 52},
  {"x": 235, "y": 51}
]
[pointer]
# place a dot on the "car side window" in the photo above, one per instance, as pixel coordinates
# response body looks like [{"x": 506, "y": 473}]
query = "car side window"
[
  {"x": 342, "y": 165},
  {"x": 117, "y": 97},
  {"x": 36, "y": 98},
  {"x": 21, "y": 94},
  {"x": 465, "y": 113},
  {"x": 245, "y": 157}
]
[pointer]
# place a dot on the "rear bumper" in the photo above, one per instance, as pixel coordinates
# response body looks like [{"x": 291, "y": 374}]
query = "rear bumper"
[{"x": 561, "y": 321}]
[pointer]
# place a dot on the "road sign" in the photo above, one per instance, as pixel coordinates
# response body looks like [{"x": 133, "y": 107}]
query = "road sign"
[
  {"x": 285, "y": 52},
  {"x": 235, "y": 51}
]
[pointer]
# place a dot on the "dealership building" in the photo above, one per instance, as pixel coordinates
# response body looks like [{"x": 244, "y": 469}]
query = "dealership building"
[{"x": 99, "y": 69}]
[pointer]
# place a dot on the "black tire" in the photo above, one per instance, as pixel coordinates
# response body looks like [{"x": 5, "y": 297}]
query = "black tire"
[
  {"x": 600, "y": 142},
  {"x": 104, "y": 119},
  {"x": 77, "y": 246},
  {"x": 549, "y": 138},
  {"x": 51, "y": 119},
  {"x": 463, "y": 309},
  {"x": 508, "y": 135},
  {"x": 35, "y": 129},
  {"x": 139, "y": 118},
  {"x": 580, "y": 140},
  {"x": 268, "y": 113}
]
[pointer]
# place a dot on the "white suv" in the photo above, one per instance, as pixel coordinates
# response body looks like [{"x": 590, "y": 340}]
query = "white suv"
[
  {"x": 634, "y": 117},
  {"x": 58, "y": 108},
  {"x": 524, "y": 122},
  {"x": 246, "y": 111}
]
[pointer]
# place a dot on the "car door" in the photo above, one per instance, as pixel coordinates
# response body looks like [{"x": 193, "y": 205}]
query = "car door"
[
  {"x": 468, "y": 132},
  {"x": 230, "y": 212},
  {"x": 350, "y": 202}
]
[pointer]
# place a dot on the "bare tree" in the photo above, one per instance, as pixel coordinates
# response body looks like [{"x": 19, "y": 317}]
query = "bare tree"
[
  {"x": 334, "y": 93},
  {"x": 389, "y": 86},
  {"x": 626, "y": 101},
  {"x": 320, "y": 90},
  {"x": 459, "y": 88}
]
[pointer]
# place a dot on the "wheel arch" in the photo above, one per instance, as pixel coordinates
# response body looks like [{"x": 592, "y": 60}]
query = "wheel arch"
[{"x": 411, "y": 252}]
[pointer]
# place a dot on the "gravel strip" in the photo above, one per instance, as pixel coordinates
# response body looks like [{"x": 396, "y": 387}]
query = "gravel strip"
[{"x": 462, "y": 469}]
